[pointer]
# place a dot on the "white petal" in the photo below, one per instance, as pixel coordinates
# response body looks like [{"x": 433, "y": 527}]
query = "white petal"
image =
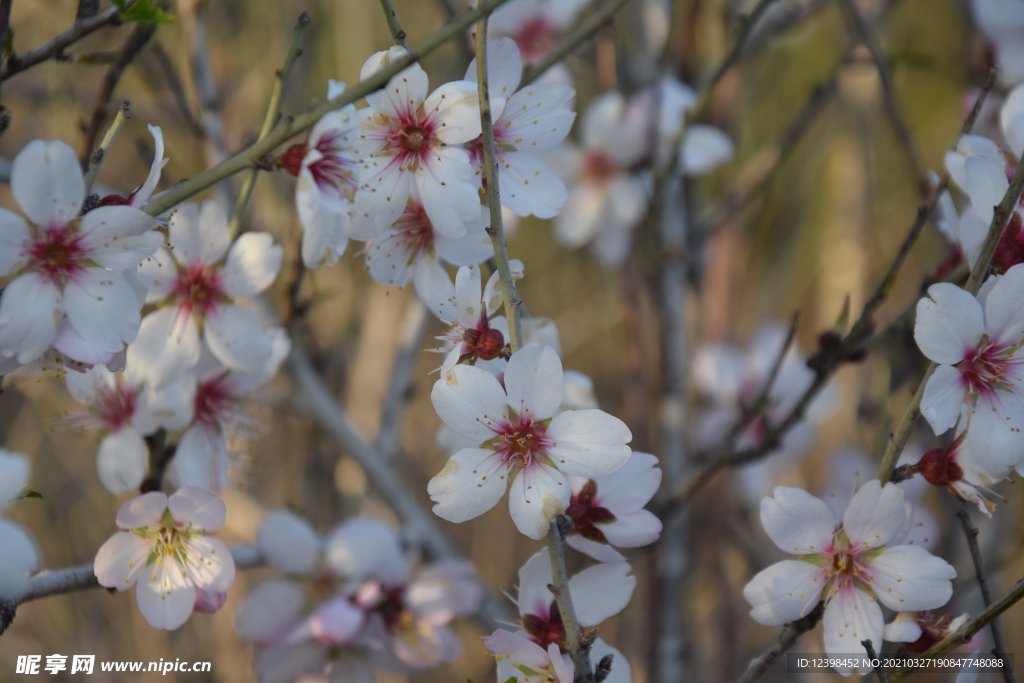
[
  {"x": 13, "y": 475},
  {"x": 364, "y": 548},
  {"x": 336, "y": 622},
  {"x": 588, "y": 443},
  {"x": 253, "y": 263},
  {"x": 383, "y": 194},
  {"x": 470, "y": 401},
  {"x": 167, "y": 344},
  {"x": 534, "y": 578},
  {"x": 908, "y": 578},
  {"x": 601, "y": 591},
  {"x": 797, "y": 522},
  {"x": 538, "y": 494},
  {"x": 943, "y": 398},
  {"x": 986, "y": 184},
  {"x": 197, "y": 507},
  {"x": 630, "y": 487},
  {"x": 620, "y": 671},
  {"x": 269, "y": 611},
  {"x": 538, "y": 117},
  {"x": 121, "y": 461},
  {"x": 199, "y": 234},
  {"x": 784, "y": 592},
  {"x": 119, "y": 560},
  {"x": 21, "y": 558},
  {"x": 533, "y": 380},
  {"x": 949, "y": 322},
  {"x": 903, "y": 628},
  {"x": 237, "y": 338},
  {"x": 103, "y": 308},
  {"x": 14, "y": 237},
  {"x": 405, "y": 91},
  {"x": 1011, "y": 116},
  {"x": 876, "y": 514},
  {"x": 704, "y": 148},
  {"x": 447, "y": 188},
  {"x": 288, "y": 542},
  {"x": 111, "y": 234},
  {"x": 144, "y": 511},
  {"x": 145, "y": 191},
  {"x": 1004, "y": 307},
  {"x": 456, "y": 106},
  {"x": 47, "y": 183},
  {"x": 210, "y": 565},
  {"x": 29, "y": 310},
  {"x": 165, "y": 596},
  {"x": 632, "y": 529},
  {"x": 528, "y": 186},
  {"x": 598, "y": 551},
  {"x": 471, "y": 483},
  {"x": 850, "y": 617},
  {"x": 504, "y": 67},
  {"x": 159, "y": 274},
  {"x": 201, "y": 458}
]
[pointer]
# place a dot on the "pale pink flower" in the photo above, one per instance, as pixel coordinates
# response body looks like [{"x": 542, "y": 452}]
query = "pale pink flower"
[
  {"x": 976, "y": 343},
  {"x": 20, "y": 556},
  {"x": 850, "y": 564},
  {"x": 408, "y": 138},
  {"x": 198, "y": 284},
  {"x": 702, "y": 148},
  {"x": 535, "y": 25},
  {"x": 326, "y": 169},
  {"x": 1002, "y": 22},
  {"x": 526, "y": 124},
  {"x": 520, "y": 440},
  {"x": 164, "y": 548},
  {"x": 66, "y": 269},
  {"x": 608, "y": 511}
]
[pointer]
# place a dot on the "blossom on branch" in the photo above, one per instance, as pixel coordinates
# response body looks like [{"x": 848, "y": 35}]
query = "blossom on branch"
[{"x": 20, "y": 556}]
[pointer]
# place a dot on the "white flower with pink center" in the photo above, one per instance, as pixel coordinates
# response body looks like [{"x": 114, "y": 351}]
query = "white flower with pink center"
[
  {"x": 1002, "y": 22},
  {"x": 976, "y": 342},
  {"x": 164, "y": 548},
  {"x": 539, "y": 651},
  {"x": 67, "y": 269},
  {"x": 520, "y": 441},
  {"x": 526, "y": 123},
  {"x": 608, "y": 512},
  {"x": 123, "y": 408},
  {"x": 606, "y": 198},
  {"x": 412, "y": 245},
  {"x": 219, "y": 417},
  {"x": 326, "y": 169},
  {"x": 198, "y": 289},
  {"x": 409, "y": 139},
  {"x": 535, "y": 25},
  {"x": 20, "y": 556},
  {"x": 850, "y": 564}
]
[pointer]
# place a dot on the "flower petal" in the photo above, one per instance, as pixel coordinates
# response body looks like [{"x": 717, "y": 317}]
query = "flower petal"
[
  {"x": 529, "y": 187},
  {"x": 144, "y": 511},
  {"x": 252, "y": 265},
  {"x": 121, "y": 461},
  {"x": 288, "y": 542},
  {"x": 784, "y": 592},
  {"x": 237, "y": 338},
  {"x": 29, "y": 310},
  {"x": 876, "y": 515},
  {"x": 47, "y": 183},
  {"x": 943, "y": 398},
  {"x": 588, "y": 443},
  {"x": 199, "y": 233},
  {"x": 165, "y": 595},
  {"x": 1004, "y": 307},
  {"x": 119, "y": 560},
  {"x": 850, "y": 617},
  {"x": 14, "y": 238},
  {"x": 199, "y": 508},
  {"x": 471, "y": 483},
  {"x": 533, "y": 381},
  {"x": 538, "y": 494},
  {"x": 949, "y": 322},
  {"x": 601, "y": 591},
  {"x": 269, "y": 611},
  {"x": 907, "y": 578},
  {"x": 632, "y": 486},
  {"x": 797, "y": 522},
  {"x": 470, "y": 401},
  {"x": 102, "y": 308}
]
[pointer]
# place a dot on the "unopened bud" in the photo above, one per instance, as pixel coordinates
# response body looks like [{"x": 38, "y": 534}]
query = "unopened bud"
[{"x": 291, "y": 160}]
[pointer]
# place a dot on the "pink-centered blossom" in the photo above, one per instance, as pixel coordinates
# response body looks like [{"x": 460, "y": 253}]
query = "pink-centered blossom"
[
  {"x": 198, "y": 285},
  {"x": 534, "y": 25},
  {"x": 976, "y": 344},
  {"x": 327, "y": 178},
  {"x": 20, "y": 556},
  {"x": 165, "y": 550},
  {"x": 527, "y": 123},
  {"x": 70, "y": 284},
  {"x": 520, "y": 441},
  {"x": 851, "y": 564},
  {"x": 409, "y": 138}
]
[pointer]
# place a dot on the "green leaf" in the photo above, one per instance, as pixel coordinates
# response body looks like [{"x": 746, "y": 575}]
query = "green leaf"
[
  {"x": 29, "y": 493},
  {"x": 143, "y": 12}
]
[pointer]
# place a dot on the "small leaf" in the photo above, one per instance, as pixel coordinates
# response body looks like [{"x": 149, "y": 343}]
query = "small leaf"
[
  {"x": 29, "y": 493},
  {"x": 143, "y": 12}
]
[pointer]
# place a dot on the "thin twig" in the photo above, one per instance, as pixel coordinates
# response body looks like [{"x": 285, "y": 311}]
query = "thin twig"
[
  {"x": 490, "y": 170},
  {"x": 858, "y": 25},
  {"x": 176, "y": 88},
  {"x": 790, "y": 634},
  {"x": 136, "y": 40},
  {"x": 55, "y": 47},
  {"x": 302, "y": 122},
  {"x": 578, "y": 650},
  {"x": 269, "y": 119},
  {"x": 971, "y": 534},
  {"x": 880, "y": 672},
  {"x": 397, "y": 32},
  {"x": 49, "y": 582},
  {"x": 124, "y": 113}
]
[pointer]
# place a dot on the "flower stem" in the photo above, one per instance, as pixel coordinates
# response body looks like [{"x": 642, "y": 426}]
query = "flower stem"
[
  {"x": 124, "y": 112},
  {"x": 254, "y": 152},
  {"x": 560, "y": 583},
  {"x": 491, "y": 190},
  {"x": 273, "y": 110},
  {"x": 397, "y": 32}
]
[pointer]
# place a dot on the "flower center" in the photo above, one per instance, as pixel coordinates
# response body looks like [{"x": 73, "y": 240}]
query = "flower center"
[
  {"x": 211, "y": 399},
  {"x": 411, "y": 138},
  {"x": 598, "y": 167},
  {"x": 545, "y": 630},
  {"x": 115, "y": 405},
  {"x": 988, "y": 368},
  {"x": 415, "y": 230},
  {"x": 58, "y": 254},
  {"x": 535, "y": 39},
  {"x": 521, "y": 441},
  {"x": 333, "y": 172},
  {"x": 586, "y": 513},
  {"x": 199, "y": 288}
]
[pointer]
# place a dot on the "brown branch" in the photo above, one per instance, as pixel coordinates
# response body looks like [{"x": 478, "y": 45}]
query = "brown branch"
[{"x": 790, "y": 634}]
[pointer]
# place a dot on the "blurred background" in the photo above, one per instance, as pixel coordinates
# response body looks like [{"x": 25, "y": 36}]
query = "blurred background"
[{"x": 822, "y": 230}]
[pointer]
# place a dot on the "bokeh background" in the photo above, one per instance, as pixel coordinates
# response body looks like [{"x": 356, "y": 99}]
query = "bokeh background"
[{"x": 822, "y": 230}]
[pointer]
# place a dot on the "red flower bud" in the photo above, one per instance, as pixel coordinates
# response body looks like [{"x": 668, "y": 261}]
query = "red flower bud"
[
  {"x": 291, "y": 160},
  {"x": 939, "y": 467}
]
